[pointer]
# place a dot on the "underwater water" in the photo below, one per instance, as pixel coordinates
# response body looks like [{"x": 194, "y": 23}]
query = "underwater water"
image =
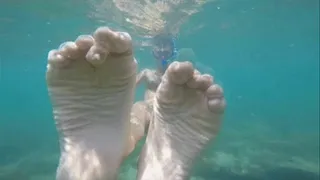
[{"x": 264, "y": 53}]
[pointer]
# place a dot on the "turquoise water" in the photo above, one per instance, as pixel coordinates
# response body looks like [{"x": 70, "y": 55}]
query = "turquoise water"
[{"x": 264, "y": 53}]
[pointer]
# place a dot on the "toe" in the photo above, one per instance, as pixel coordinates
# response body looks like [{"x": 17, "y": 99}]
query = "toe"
[
  {"x": 106, "y": 42},
  {"x": 217, "y": 105},
  {"x": 205, "y": 82},
  {"x": 84, "y": 42},
  {"x": 194, "y": 81},
  {"x": 216, "y": 101},
  {"x": 96, "y": 56},
  {"x": 69, "y": 50},
  {"x": 115, "y": 42},
  {"x": 102, "y": 36},
  {"x": 55, "y": 59},
  {"x": 214, "y": 91},
  {"x": 201, "y": 82},
  {"x": 180, "y": 72}
]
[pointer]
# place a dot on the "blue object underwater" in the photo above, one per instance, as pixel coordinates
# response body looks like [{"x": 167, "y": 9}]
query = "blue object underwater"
[{"x": 163, "y": 56}]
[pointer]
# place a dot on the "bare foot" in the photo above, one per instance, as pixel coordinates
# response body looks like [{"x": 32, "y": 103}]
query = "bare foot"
[
  {"x": 188, "y": 109},
  {"x": 91, "y": 84}
]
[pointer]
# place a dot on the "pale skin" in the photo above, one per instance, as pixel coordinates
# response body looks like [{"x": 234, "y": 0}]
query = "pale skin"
[
  {"x": 142, "y": 110},
  {"x": 91, "y": 83}
]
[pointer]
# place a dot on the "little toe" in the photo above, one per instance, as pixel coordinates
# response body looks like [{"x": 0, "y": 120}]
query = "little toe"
[{"x": 216, "y": 101}]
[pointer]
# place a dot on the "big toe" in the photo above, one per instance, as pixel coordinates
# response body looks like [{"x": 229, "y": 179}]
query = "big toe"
[
  {"x": 113, "y": 41},
  {"x": 108, "y": 43},
  {"x": 180, "y": 72}
]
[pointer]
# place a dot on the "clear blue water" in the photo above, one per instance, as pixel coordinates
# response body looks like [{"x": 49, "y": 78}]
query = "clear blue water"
[{"x": 265, "y": 54}]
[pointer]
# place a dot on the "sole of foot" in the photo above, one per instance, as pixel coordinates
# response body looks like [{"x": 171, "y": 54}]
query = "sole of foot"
[
  {"x": 188, "y": 111},
  {"x": 91, "y": 84}
]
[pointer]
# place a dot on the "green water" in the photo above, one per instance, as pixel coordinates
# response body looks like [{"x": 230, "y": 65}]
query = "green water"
[{"x": 264, "y": 53}]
